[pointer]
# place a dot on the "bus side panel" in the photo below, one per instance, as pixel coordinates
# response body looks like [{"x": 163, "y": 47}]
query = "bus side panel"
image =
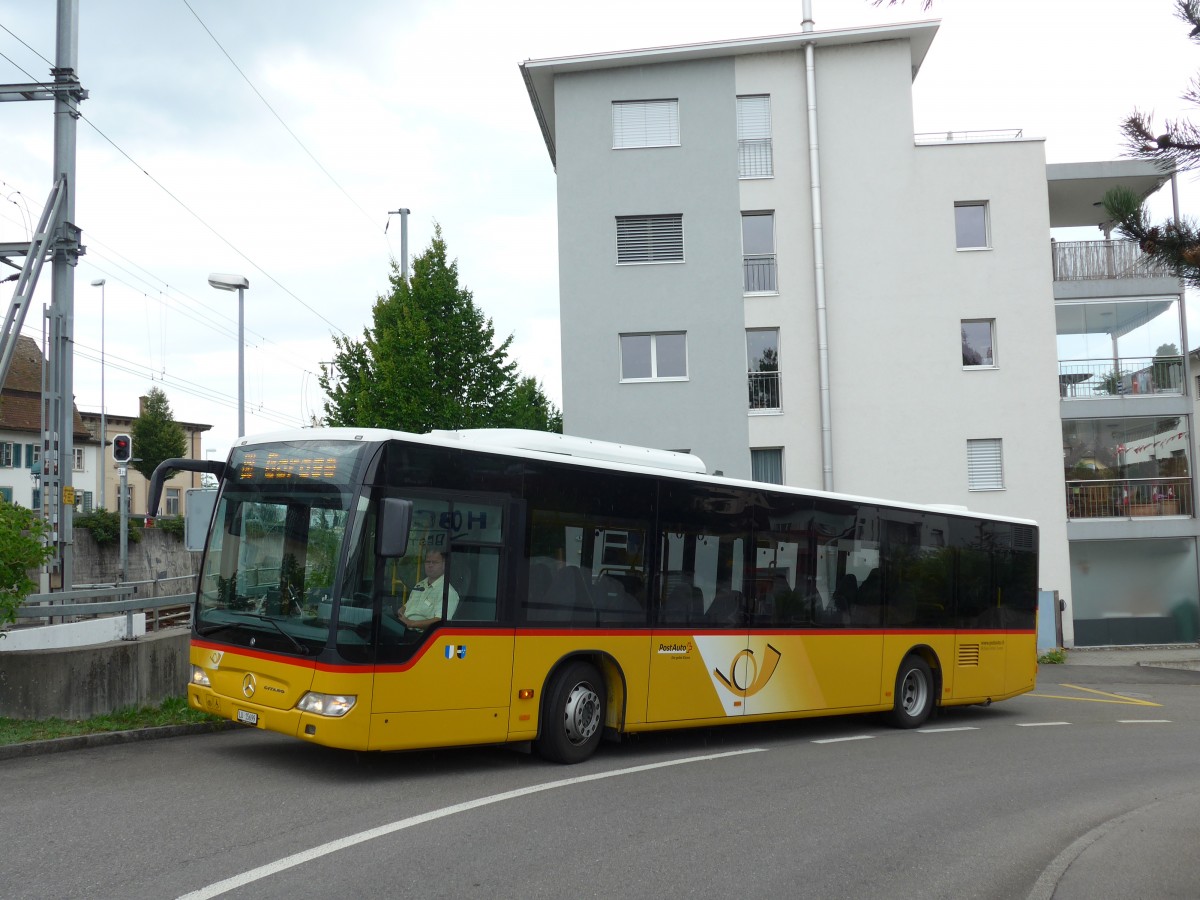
[
  {"x": 1022, "y": 663},
  {"x": 980, "y": 665},
  {"x": 538, "y": 652},
  {"x": 454, "y": 691}
]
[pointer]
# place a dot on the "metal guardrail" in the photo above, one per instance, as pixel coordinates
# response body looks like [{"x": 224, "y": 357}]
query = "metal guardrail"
[
  {"x": 90, "y": 603},
  {"x": 992, "y": 134},
  {"x": 1125, "y": 376},
  {"x": 1120, "y": 498}
]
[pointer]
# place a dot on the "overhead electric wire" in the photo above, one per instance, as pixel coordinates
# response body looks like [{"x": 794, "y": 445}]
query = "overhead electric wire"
[
  {"x": 27, "y": 47},
  {"x": 258, "y": 93}
]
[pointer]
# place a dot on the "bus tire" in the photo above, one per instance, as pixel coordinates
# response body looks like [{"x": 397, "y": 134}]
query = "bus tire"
[
  {"x": 913, "y": 699},
  {"x": 573, "y": 714}
]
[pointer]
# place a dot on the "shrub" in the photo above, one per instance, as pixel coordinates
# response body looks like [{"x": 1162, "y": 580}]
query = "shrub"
[
  {"x": 22, "y": 549},
  {"x": 105, "y": 526}
]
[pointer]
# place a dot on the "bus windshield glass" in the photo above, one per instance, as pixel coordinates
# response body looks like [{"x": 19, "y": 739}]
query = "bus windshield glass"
[{"x": 274, "y": 545}]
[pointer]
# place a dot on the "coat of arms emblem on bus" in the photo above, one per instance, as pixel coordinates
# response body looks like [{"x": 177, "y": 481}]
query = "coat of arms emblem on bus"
[{"x": 744, "y": 667}]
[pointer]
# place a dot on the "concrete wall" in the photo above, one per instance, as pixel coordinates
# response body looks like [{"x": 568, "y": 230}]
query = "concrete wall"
[
  {"x": 81, "y": 682},
  {"x": 157, "y": 556}
]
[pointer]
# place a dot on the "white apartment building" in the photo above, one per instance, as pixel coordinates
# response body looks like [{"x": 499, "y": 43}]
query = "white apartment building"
[{"x": 761, "y": 264}]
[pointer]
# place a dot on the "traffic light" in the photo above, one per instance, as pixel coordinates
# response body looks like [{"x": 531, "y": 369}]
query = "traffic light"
[{"x": 122, "y": 448}]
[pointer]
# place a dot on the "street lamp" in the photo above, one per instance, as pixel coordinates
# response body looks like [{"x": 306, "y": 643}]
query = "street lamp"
[
  {"x": 239, "y": 283},
  {"x": 99, "y": 282}
]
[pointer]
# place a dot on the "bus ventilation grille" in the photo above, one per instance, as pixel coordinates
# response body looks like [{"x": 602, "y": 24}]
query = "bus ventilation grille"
[{"x": 968, "y": 655}]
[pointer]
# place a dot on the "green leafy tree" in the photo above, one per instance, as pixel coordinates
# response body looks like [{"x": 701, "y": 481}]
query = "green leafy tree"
[
  {"x": 1175, "y": 245},
  {"x": 156, "y": 435},
  {"x": 430, "y": 360},
  {"x": 23, "y": 549}
]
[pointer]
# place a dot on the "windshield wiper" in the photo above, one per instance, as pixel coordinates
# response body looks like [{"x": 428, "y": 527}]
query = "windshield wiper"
[
  {"x": 205, "y": 632},
  {"x": 300, "y": 648}
]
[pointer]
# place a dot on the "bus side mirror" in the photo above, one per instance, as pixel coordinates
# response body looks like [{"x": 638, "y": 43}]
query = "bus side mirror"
[{"x": 395, "y": 518}]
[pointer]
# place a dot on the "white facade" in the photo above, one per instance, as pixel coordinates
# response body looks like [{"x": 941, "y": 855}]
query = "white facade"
[{"x": 903, "y": 406}]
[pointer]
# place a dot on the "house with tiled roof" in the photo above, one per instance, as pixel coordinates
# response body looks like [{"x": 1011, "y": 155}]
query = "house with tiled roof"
[{"x": 21, "y": 434}]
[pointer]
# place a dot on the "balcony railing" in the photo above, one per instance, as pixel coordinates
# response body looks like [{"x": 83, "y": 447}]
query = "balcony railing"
[
  {"x": 755, "y": 158},
  {"x": 1089, "y": 260},
  {"x": 758, "y": 273},
  {"x": 1126, "y": 376},
  {"x": 764, "y": 390},
  {"x": 1121, "y": 498}
]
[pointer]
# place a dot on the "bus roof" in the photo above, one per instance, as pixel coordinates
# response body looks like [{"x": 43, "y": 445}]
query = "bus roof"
[{"x": 584, "y": 451}]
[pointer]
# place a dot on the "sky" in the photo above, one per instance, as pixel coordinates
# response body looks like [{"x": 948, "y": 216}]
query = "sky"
[{"x": 271, "y": 139}]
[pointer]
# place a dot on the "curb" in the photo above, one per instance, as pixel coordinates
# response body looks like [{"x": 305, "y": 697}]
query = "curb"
[{"x": 109, "y": 738}]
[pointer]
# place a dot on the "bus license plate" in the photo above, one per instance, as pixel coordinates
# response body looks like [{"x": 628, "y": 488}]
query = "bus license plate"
[{"x": 247, "y": 718}]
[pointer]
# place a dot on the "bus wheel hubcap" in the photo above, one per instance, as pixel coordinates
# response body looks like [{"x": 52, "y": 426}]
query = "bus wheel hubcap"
[
  {"x": 582, "y": 713},
  {"x": 913, "y": 693}
]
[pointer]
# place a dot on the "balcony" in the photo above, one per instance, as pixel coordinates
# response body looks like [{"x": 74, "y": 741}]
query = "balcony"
[
  {"x": 764, "y": 391},
  {"x": 758, "y": 273},
  {"x": 1129, "y": 498},
  {"x": 1095, "y": 260},
  {"x": 1121, "y": 377}
]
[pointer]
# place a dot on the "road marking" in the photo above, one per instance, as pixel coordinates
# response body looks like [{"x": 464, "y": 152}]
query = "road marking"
[
  {"x": 296, "y": 859},
  {"x": 857, "y": 737},
  {"x": 1144, "y": 721},
  {"x": 1113, "y": 698},
  {"x": 944, "y": 730},
  {"x": 1039, "y": 724}
]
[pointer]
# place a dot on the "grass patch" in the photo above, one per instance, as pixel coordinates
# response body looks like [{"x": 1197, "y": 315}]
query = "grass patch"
[
  {"x": 172, "y": 711},
  {"x": 1055, "y": 657}
]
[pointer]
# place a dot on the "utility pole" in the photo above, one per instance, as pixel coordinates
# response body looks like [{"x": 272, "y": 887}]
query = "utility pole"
[
  {"x": 403, "y": 214},
  {"x": 58, "y": 444}
]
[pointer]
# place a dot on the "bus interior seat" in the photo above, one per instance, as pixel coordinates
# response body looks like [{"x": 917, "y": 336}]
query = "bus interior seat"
[
  {"x": 846, "y": 593},
  {"x": 684, "y": 603},
  {"x": 568, "y": 599},
  {"x": 614, "y": 603},
  {"x": 727, "y": 608}
]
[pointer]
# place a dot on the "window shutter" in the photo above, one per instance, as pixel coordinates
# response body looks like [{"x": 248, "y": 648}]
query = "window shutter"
[
  {"x": 753, "y": 118},
  {"x": 985, "y": 468},
  {"x": 30, "y": 458},
  {"x": 16, "y": 456},
  {"x": 645, "y": 123},
  {"x": 649, "y": 238}
]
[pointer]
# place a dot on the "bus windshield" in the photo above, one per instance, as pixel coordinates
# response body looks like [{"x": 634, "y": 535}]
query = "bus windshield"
[{"x": 274, "y": 545}]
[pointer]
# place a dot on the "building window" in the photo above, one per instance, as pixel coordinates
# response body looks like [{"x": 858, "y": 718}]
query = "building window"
[
  {"x": 6, "y": 494},
  {"x": 754, "y": 137},
  {"x": 649, "y": 239},
  {"x": 645, "y": 123},
  {"x": 762, "y": 356},
  {"x": 83, "y": 502},
  {"x": 35, "y": 500},
  {"x": 33, "y": 456},
  {"x": 77, "y": 465},
  {"x": 172, "y": 501},
  {"x": 6, "y": 456},
  {"x": 985, "y": 465},
  {"x": 971, "y": 225},
  {"x": 654, "y": 357},
  {"x": 978, "y": 343},
  {"x": 766, "y": 465},
  {"x": 758, "y": 253}
]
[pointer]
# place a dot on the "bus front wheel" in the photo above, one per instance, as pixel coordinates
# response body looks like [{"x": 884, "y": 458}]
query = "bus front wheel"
[
  {"x": 914, "y": 693},
  {"x": 573, "y": 714}
]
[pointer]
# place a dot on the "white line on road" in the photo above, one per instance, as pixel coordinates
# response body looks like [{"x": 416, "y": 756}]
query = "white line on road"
[
  {"x": 857, "y": 737},
  {"x": 288, "y": 862},
  {"x": 944, "y": 730},
  {"x": 1039, "y": 724},
  {"x": 1144, "y": 721}
]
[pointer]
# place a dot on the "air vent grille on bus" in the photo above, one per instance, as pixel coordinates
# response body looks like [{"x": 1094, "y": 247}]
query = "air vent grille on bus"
[
  {"x": 968, "y": 655},
  {"x": 1023, "y": 537}
]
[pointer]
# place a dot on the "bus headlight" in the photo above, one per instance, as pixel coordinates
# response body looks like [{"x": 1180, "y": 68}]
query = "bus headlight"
[
  {"x": 199, "y": 677},
  {"x": 332, "y": 705}
]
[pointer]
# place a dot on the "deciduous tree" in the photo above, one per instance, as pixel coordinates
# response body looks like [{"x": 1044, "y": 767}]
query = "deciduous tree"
[
  {"x": 22, "y": 550},
  {"x": 156, "y": 435},
  {"x": 430, "y": 360}
]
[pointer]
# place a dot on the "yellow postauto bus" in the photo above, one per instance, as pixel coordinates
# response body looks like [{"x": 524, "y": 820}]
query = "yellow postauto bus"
[{"x": 377, "y": 590}]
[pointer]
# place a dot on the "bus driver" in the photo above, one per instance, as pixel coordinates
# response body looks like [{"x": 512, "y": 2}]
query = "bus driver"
[{"x": 424, "y": 604}]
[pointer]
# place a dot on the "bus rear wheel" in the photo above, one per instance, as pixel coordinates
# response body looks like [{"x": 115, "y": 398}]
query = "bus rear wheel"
[
  {"x": 573, "y": 714},
  {"x": 913, "y": 699}
]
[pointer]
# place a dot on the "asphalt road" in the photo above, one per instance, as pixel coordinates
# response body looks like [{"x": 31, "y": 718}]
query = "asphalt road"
[{"x": 1088, "y": 788}]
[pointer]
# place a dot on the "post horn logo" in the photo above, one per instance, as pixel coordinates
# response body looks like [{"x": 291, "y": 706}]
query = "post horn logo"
[
  {"x": 755, "y": 678},
  {"x": 248, "y": 685}
]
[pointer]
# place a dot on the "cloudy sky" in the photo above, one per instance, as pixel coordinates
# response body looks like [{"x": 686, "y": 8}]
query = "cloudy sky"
[{"x": 271, "y": 139}]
